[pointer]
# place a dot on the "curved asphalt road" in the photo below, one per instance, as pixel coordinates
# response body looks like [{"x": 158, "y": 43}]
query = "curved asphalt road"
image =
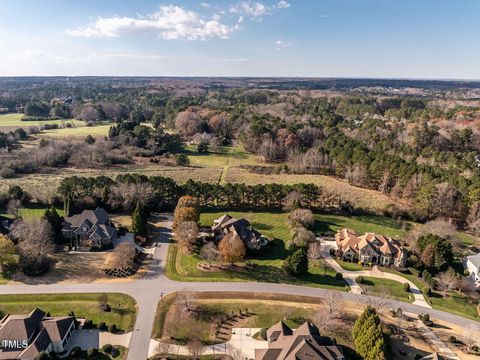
[{"x": 147, "y": 292}]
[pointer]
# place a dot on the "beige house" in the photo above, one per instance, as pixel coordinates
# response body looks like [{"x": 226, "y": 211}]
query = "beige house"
[
  {"x": 370, "y": 248},
  {"x": 25, "y": 336},
  {"x": 304, "y": 343}
]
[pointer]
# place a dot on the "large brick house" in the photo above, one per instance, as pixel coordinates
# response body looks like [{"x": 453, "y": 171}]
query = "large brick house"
[
  {"x": 25, "y": 336},
  {"x": 91, "y": 228},
  {"x": 252, "y": 238},
  {"x": 370, "y": 248},
  {"x": 304, "y": 343}
]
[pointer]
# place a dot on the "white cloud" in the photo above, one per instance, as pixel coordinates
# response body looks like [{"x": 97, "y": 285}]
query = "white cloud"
[
  {"x": 280, "y": 45},
  {"x": 235, "y": 60},
  {"x": 205, "y": 5},
  {"x": 255, "y": 9},
  {"x": 283, "y": 4},
  {"x": 169, "y": 22}
]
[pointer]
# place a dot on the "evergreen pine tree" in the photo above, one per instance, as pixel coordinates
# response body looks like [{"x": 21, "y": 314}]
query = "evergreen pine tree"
[{"x": 139, "y": 220}]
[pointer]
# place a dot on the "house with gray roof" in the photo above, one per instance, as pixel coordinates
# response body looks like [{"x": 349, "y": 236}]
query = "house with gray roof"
[
  {"x": 304, "y": 343},
  {"x": 252, "y": 238},
  {"x": 25, "y": 336},
  {"x": 91, "y": 228}
]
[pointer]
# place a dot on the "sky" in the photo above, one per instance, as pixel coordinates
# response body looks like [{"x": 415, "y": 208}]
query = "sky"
[{"x": 428, "y": 39}]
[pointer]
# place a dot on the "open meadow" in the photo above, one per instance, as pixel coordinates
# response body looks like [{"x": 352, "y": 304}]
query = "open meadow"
[{"x": 75, "y": 129}]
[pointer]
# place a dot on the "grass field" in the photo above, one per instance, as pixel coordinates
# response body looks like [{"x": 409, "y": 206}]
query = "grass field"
[
  {"x": 220, "y": 156},
  {"x": 31, "y": 211},
  {"x": 10, "y": 122},
  {"x": 393, "y": 289},
  {"x": 15, "y": 121},
  {"x": 123, "y": 313},
  {"x": 455, "y": 303},
  {"x": 44, "y": 186},
  {"x": 80, "y": 131},
  {"x": 361, "y": 198}
]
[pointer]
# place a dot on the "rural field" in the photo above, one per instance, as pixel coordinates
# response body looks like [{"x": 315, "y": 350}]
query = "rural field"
[
  {"x": 361, "y": 198},
  {"x": 9, "y": 122},
  {"x": 123, "y": 313}
]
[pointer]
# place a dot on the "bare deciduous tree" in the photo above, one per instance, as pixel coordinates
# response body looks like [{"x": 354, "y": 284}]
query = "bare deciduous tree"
[
  {"x": 332, "y": 303},
  {"x": 302, "y": 237},
  {"x": 186, "y": 300},
  {"x": 123, "y": 256},
  {"x": 195, "y": 346},
  {"x": 13, "y": 207},
  {"x": 186, "y": 235},
  {"x": 315, "y": 252},
  {"x": 471, "y": 335},
  {"x": 35, "y": 241},
  {"x": 302, "y": 217},
  {"x": 327, "y": 320},
  {"x": 127, "y": 195},
  {"x": 446, "y": 281},
  {"x": 209, "y": 252},
  {"x": 381, "y": 299}
]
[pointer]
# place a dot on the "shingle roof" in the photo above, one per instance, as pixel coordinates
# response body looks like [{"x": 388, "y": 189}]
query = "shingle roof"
[
  {"x": 475, "y": 260},
  {"x": 305, "y": 343},
  {"x": 21, "y": 327},
  {"x": 58, "y": 327},
  {"x": 40, "y": 343}
]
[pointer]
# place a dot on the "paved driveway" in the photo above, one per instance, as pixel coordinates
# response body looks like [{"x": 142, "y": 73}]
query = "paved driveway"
[{"x": 85, "y": 339}]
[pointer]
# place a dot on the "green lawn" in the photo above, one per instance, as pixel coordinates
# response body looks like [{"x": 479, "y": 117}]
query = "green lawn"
[
  {"x": 15, "y": 120},
  {"x": 455, "y": 303},
  {"x": 361, "y": 224},
  {"x": 123, "y": 308},
  {"x": 33, "y": 211},
  {"x": 220, "y": 156},
  {"x": 394, "y": 289},
  {"x": 78, "y": 131},
  {"x": 466, "y": 239}
]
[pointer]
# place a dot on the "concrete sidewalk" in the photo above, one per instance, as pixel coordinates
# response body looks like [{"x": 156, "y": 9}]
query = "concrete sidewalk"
[{"x": 241, "y": 342}]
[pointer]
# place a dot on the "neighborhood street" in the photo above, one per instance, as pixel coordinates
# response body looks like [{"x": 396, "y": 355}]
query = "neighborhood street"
[{"x": 148, "y": 291}]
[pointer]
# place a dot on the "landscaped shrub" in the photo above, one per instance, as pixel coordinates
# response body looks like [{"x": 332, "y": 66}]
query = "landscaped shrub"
[
  {"x": 107, "y": 348},
  {"x": 115, "y": 352},
  {"x": 88, "y": 324},
  {"x": 112, "y": 328},
  {"x": 360, "y": 279},
  {"x": 339, "y": 276},
  {"x": 101, "y": 326},
  {"x": 426, "y": 291},
  {"x": 92, "y": 352},
  {"x": 296, "y": 264},
  {"x": 406, "y": 287},
  {"x": 425, "y": 318}
]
